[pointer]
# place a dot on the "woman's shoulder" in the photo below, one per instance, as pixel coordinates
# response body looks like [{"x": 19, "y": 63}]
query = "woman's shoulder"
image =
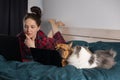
[
  {"x": 41, "y": 33},
  {"x": 20, "y": 34}
]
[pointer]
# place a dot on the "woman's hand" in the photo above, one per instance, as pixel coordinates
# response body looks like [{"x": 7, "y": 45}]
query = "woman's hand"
[{"x": 29, "y": 42}]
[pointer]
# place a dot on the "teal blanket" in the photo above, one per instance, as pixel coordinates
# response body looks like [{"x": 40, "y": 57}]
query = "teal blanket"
[{"x": 14, "y": 70}]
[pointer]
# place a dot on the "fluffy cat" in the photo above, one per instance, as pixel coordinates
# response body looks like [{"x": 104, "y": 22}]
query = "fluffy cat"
[{"x": 82, "y": 57}]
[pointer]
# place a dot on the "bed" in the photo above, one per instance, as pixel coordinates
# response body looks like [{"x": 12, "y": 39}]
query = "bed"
[{"x": 95, "y": 39}]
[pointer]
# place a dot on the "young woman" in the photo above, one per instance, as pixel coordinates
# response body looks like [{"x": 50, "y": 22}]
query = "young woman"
[{"x": 33, "y": 37}]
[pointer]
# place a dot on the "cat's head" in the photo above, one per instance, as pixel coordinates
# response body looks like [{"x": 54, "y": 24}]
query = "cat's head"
[{"x": 64, "y": 49}]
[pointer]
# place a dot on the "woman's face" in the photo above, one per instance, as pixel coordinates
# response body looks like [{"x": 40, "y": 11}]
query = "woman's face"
[{"x": 30, "y": 28}]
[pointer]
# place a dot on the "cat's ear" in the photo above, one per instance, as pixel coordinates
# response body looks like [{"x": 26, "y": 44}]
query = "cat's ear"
[
  {"x": 113, "y": 53},
  {"x": 70, "y": 44}
]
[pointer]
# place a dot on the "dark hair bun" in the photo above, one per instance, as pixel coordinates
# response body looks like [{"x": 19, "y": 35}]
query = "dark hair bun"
[{"x": 36, "y": 10}]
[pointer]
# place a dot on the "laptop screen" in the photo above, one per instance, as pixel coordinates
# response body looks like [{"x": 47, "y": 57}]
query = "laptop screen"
[
  {"x": 46, "y": 57},
  {"x": 9, "y": 48}
]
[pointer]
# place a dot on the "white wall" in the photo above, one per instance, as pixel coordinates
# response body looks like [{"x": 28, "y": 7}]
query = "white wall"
[
  {"x": 84, "y": 13},
  {"x": 35, "y": 3},
  {"x": 81, "y": 13}
]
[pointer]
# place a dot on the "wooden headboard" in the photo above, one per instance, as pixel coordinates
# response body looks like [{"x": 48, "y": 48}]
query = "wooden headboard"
[
  {"x": 90, "y": 35},
  {"x": 86, "y": 34}
]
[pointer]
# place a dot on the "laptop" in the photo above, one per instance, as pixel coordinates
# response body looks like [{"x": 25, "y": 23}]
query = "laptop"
[
  {"x": 46, "y": 57},
  {"x": 9, "y": 48}
]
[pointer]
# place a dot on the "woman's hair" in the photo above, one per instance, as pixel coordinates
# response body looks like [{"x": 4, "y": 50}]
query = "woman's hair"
[{"x": 35, "y": 15}]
